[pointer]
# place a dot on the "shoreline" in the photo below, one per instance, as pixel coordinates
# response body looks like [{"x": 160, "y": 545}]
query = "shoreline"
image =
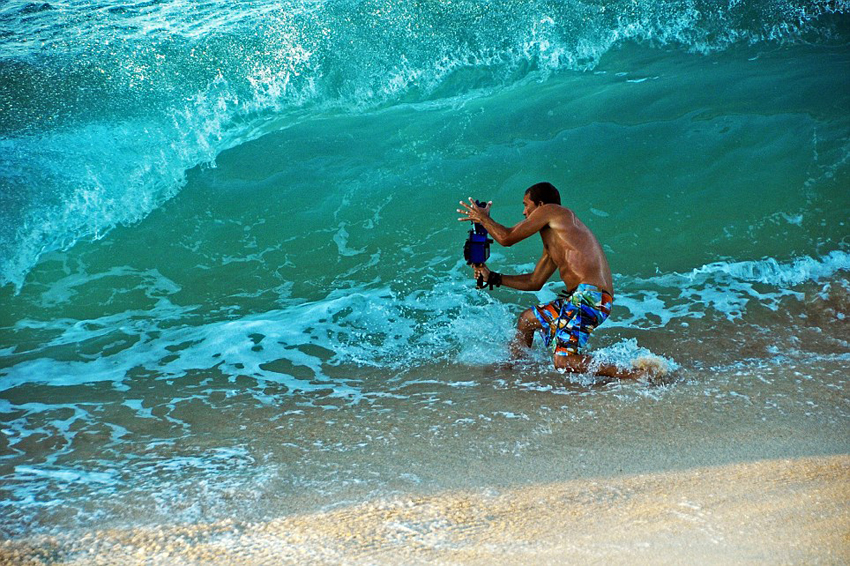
[{"x": 767, "y": 511}]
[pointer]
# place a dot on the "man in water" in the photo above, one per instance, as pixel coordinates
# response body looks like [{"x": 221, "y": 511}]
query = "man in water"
[{"x": 570, "y": 247}]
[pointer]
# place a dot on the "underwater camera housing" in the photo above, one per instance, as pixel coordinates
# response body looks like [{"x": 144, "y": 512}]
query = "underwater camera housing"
[{"x": 476, "y": 249}]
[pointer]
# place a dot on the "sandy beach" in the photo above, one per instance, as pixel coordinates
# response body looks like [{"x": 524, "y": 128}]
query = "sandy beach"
[{"x": 768, "y": 512}]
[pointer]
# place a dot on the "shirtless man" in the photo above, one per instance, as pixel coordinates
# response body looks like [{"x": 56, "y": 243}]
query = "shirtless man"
[{"x": 570, "y": 247}]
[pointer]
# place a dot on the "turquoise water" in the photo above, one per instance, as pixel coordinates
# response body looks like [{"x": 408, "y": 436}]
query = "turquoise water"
[{"x": 226, "y": 226}]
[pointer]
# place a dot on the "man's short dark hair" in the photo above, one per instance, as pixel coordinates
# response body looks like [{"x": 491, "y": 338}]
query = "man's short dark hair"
[{"x": 543, "y": 193}]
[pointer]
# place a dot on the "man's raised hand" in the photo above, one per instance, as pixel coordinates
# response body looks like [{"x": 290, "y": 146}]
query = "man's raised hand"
[{"x": 472, "y": 212}]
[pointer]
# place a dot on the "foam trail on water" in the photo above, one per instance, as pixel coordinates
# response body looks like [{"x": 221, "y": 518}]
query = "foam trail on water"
[
  {"x": 384, "y": 328},
  {"x": 370, "y": 327}
]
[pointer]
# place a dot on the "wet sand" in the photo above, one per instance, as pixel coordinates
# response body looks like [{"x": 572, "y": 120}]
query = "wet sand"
[{"x": 775, "y": 511}]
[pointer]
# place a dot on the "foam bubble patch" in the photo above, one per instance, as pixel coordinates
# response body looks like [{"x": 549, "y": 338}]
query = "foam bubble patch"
[{"x": 726, "y": 289}]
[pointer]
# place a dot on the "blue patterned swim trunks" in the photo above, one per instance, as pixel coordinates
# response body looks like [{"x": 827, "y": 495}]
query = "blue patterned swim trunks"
[{"x": 568, "y": 320}]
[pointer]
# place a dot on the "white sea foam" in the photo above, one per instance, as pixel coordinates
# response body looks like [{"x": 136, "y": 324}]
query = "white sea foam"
[
  {"x": 772, "y": 272},
  {"x": 725, "y": 288},
  {"x": 627, "y": 354},
  {"x": 375, "y": 327},
  {"x": 381, "y": 327},
  {"x": 66, "y": 475}
]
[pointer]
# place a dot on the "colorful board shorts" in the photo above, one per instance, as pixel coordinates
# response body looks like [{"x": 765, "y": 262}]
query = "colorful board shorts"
[{"x": 568, "y": 320}]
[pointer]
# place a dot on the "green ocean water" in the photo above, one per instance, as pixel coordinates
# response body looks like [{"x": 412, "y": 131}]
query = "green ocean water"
[{"x": 231, "y": 261}]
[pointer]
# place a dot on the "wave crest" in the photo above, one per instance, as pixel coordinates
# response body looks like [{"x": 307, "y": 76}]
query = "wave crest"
[{"x": 109, "y": 108}]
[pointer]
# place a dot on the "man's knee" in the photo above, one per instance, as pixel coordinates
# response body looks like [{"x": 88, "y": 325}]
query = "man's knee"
[
  {"x": 571, "y": 363},
  {"x": 528, "y": 321}
]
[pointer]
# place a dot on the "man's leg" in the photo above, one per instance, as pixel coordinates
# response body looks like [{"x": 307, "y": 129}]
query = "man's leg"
[
  {"x": 578, "y": 363},
  {"x": 526, "y": 326}
]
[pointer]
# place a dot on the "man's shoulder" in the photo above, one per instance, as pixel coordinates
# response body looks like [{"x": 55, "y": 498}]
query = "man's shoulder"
[
  {"x": 559, "y": 218},
  {"x": 557, "y": 210}
]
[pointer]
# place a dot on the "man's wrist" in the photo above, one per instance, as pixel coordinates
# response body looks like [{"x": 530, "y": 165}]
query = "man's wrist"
[{"x": 494, "y": 279}]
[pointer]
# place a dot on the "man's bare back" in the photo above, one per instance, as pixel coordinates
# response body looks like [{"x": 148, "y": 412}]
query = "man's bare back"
[{"x": 573, "y": 248}]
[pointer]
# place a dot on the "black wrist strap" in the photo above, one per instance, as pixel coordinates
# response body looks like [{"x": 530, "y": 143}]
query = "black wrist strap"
[{"x": 494, "y": 280}]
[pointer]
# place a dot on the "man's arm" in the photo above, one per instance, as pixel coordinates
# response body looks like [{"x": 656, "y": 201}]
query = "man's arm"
[
  {"x": 533, "y": 281},
  {"x": 505, "y": 236}
]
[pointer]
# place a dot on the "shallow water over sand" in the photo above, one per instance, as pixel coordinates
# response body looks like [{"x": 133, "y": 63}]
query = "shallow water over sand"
[{"x": 256, "y": 451}]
